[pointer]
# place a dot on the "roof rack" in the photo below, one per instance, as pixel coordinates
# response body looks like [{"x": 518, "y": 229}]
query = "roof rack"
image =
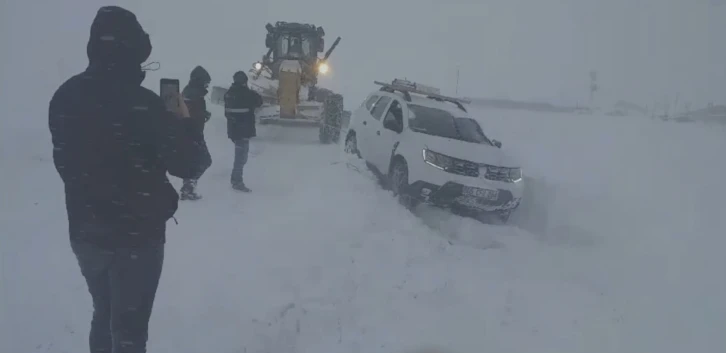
[{"x": 407, "y": 87}]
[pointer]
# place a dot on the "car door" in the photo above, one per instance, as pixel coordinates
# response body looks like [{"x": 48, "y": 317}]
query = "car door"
[
  {"x": 387, "y": 136},
  {"x": 361, "y": 119},
  {"x": 370, "y": 125}
]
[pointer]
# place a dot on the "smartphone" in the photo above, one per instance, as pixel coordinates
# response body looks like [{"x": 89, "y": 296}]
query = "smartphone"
[{"x": 169, "y": 90}]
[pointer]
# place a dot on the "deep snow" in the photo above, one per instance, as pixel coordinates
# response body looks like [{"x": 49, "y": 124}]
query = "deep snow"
[{"x": 621, "y": 249}]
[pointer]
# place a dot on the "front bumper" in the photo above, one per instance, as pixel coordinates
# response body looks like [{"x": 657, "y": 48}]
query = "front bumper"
[{"x": 451, "y": 194}]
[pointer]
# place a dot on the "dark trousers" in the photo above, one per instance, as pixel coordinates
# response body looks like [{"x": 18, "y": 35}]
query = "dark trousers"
[
  {"x": 122, "y": 283},
  {"x": 190, "y": 185},
  {"x": 241, "y": 152}
]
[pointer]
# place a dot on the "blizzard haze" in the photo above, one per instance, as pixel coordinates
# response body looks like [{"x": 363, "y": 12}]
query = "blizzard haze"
[
  {"x": 522, "y": 49},
  {"x": 618, "y": 249}
]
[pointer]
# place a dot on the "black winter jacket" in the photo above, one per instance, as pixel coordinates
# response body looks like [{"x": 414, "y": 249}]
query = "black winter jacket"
[
  {"x": 240, "y": 103},
  {"x": 113, "y": 144},
  {"x": 114, "y": 141},
  {"x": 195, "y": 92}
]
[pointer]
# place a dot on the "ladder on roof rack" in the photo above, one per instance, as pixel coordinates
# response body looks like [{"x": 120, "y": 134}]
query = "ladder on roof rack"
[{"x": 408, "y": 89}]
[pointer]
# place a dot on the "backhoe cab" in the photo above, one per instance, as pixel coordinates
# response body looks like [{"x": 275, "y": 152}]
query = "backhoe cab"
[
  {"x": 295, "y": 42},
  {"x": 289, "y": 85}
]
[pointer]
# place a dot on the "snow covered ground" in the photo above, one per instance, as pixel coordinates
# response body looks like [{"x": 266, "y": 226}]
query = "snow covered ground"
[{"x": 620, "y": 249}]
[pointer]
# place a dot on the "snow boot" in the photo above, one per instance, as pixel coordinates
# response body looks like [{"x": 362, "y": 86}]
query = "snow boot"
[
  {"x": 190, "y": 196},
  {"x": 188, "y": 190},
  {"x": 241, "y": 187}
]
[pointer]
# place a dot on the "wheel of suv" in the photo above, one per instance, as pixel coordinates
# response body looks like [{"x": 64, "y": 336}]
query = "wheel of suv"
[
  {"x": 351, "y": 145},
  {"x": 398, "y": 180},
  {"x": 504, "y": 217}
]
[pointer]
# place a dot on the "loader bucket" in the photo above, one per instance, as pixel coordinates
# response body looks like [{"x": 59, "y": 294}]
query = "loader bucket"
[{"x": 291, "y": 110}]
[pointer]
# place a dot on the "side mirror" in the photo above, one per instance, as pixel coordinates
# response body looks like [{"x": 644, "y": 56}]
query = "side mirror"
[
  {"x": 496, "y": 143},
  {"x": 392, "y": 124}
]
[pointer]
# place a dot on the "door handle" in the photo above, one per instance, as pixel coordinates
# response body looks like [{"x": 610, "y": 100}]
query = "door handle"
[
  {"x": 378, "y": 132},
  {"x": 365, "y": 122}
]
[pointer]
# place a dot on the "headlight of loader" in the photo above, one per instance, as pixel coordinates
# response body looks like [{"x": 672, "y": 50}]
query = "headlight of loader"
[
  {"x": 515, "y": 174},
  {"x": 323, "y": 68},
  {"x": 437, "y": 160},
  {"x": 258, "y": 66}
]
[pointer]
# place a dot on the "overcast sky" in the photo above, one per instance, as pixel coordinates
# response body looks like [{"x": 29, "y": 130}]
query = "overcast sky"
[{"x": 643, "y": 50}]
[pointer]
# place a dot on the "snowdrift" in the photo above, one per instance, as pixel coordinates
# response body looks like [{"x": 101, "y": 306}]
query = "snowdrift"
[{"x": 620, "y": 250}]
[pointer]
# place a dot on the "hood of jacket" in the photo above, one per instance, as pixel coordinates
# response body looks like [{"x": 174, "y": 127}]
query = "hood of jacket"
[
  {"x": 199, "y": 77},
  {"x": 118, "y": 45}
]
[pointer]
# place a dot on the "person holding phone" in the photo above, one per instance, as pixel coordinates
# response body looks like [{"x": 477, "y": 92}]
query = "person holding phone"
[
  {"x": 113, "y": 144},
  {"x": 240, "y": 103},
  {"x": 194, "y": 94}
]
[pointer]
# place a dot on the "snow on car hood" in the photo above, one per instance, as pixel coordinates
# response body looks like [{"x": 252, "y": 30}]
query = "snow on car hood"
[{"x": 474, "y": 152}]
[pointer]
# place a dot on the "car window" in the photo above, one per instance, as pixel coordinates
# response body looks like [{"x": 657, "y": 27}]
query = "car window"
[
  {"x": 439, "y": 122},
  {"x": 395, "y": 113},
  {"x": 380, "y": 107},
  {"x": 371, "y": 101}
]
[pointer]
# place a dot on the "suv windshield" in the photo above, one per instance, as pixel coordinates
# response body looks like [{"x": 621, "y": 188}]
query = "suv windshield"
[{"x": 438, "y": 122}]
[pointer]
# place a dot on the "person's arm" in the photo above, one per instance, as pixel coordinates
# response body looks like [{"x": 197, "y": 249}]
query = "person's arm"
[
  {"x": 207, "y": 113},
  {"x": 61, "y": 124},
  {"x": 228, "y": 103},
  {"x": 201, "y": 109},
  {"x": 180, "y": 141},
  {"x": 195, "y": 103},
  {"x": 79, "y": 167},
  {"x": 258, "y": 99}
]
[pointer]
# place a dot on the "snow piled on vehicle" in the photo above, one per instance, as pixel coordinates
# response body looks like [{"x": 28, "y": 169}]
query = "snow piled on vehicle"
[{"x": 619, "y": 248}]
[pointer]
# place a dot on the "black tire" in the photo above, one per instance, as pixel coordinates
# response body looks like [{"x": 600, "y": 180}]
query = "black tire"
[
  {"x": 331, "y": 119},
  {"x": 398, "y": 181},
  {"x": 351, "y": 145},
  {"x": 504, "y": 217}
]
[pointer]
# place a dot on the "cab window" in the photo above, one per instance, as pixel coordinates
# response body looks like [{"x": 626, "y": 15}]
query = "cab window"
[
  {"x": 380, "y": 107},
  {"x": 372, "y": 100}
]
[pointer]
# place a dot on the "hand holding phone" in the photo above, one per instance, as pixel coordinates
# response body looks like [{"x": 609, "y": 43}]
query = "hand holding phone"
[
  {"x": 170, "y": 94},
  {"x": 180, "y": 108}
]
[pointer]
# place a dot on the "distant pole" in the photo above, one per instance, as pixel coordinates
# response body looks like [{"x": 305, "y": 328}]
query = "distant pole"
[
  {"x": 457, "y": 80},
  {"x": 593, "y": 87},
  {"x": 675, "y": 104}
]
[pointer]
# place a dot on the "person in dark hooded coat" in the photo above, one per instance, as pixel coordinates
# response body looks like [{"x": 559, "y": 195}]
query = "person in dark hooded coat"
[
  {"x": 194, "y": 94},
  {"x": 113, "y": 144},
  {"x": 240, "y": 103}
]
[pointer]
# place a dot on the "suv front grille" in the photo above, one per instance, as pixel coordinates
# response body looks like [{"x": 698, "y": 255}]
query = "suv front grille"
[
  {"x": 480, "y": 170},
  {"x": 466, "y": 168}
]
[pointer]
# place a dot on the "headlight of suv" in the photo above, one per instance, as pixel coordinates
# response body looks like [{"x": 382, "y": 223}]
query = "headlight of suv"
[
  {"x": 437, "y": 160},
  {"x": 515, "y": 174}
]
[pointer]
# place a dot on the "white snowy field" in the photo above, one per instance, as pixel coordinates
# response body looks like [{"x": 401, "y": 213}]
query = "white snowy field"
[{"x": 621, "y": 249}]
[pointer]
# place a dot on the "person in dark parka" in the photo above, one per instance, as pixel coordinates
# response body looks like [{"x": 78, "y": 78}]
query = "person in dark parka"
[
  {"x": 113, "y": 144},
  {"x": 194, "y": 94},
  {"x": 240, "y": 103}
]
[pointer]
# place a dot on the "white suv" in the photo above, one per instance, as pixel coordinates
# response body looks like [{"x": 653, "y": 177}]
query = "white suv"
[{"x": 428, "y": 149}]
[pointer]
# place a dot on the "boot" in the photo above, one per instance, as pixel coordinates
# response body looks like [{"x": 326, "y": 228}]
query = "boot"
[
  {"x": 241, "y": 187},
  {"x": 188, "y": 190}
]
